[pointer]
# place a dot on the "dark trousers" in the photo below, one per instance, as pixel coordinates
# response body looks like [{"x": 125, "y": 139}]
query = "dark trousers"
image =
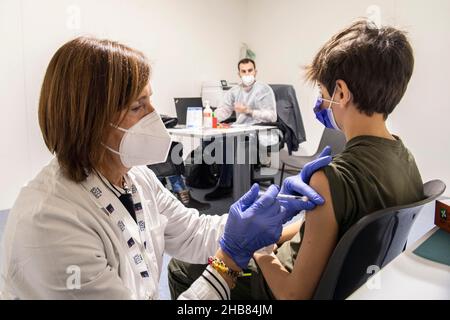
[
  {"x": 169, "y": 168},
  {"x": 226, "y": 176},
  {"x": 182, "y": 275},
  {"x": 226, "y": 170}
]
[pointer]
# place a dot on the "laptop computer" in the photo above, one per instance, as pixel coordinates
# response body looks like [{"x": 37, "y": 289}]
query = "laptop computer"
[{"x": 181, "y": 107}]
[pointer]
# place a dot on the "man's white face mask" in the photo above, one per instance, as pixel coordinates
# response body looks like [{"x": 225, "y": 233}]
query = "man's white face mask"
[
  {"x": 248, "y": 80},
  {"x": 147, "y": 142}
]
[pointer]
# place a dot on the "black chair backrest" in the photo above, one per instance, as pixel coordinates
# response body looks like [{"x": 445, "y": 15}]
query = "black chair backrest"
[
  {"x": 288, "y": 109},
  {"x": 333, "y": 138},
  {"x": 375, "y": 240}
]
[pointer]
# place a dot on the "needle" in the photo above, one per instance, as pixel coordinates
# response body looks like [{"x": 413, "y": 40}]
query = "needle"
[{"x": 281, "y": 196}]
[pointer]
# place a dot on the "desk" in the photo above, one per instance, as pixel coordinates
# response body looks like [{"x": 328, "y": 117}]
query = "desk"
[
  {"x": 242, "y": 158},
  {"x": 409, "y": 277}
]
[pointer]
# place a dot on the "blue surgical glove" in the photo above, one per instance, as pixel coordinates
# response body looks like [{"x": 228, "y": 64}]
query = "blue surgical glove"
[
  {"x": 253, "y": 224},
  {"x": 293, "y": 206},
  {"x": 298, "y": 185}
]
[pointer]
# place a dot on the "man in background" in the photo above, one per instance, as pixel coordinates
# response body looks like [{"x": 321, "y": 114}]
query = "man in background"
[{"x": 254, "y": 102}]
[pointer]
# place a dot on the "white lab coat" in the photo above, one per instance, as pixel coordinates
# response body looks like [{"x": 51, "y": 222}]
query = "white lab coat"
[{"x": 60, "y": 244}]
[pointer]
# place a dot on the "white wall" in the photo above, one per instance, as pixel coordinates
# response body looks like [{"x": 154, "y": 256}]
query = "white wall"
[
  {"x": 423, "y": 117},
  {"x": 14, "y": 144},
  {"x": 187, "y": 42},
  {"x": 195, "y": 40},
  {"x": 285, "y": 36}
]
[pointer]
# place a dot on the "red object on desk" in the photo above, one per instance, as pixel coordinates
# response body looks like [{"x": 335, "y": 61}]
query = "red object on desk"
[
  {"x": 214, "y": 122},
  {"x": 442, "y": 215},
  {"x": 223, "y": 125}
]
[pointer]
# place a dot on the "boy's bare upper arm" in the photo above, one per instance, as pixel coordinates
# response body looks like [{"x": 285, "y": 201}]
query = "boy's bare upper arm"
[{"x": 318, "y": 242}]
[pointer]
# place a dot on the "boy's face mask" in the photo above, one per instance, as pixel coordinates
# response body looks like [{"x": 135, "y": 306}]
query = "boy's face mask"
[{"x": 326, "y": 116}]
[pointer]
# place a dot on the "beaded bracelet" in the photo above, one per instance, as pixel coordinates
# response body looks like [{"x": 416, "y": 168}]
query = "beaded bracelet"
[{"x": 220, "y": 266}]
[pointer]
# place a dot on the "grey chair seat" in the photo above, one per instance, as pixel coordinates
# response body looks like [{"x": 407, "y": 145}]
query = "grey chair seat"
[
  {"x": 333, "y": 138},
  {"x": 294, "y": 161}
]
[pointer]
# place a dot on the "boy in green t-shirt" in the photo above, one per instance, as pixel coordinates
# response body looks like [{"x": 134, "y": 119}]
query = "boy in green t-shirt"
[{"x": 362, "y": 73}]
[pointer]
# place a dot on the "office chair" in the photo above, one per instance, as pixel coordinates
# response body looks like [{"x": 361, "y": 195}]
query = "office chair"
[
  {"x": 330, "y": 137},
  {"x": 375, "y": 240},
  {"x": 289, "y": 122}
]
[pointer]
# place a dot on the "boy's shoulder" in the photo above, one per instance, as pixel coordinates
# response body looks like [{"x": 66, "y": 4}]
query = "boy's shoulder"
[
  {"x": 370, "y": 154},
  {"x": 371, "y": 144}
]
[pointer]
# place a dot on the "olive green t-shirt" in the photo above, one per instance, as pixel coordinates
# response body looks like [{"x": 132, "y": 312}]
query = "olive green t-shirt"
[{"x": 371, "y": 173}]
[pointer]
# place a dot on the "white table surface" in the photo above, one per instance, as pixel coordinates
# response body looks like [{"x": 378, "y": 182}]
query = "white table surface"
[
  {"x": 409, "y": 277},
  {"x": 206, "y": 133}
]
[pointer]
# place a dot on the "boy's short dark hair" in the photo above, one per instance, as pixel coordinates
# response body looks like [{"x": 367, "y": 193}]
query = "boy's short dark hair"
[
  {"x": 245, "y": 61},
  {"x": 376, "y": 63}
]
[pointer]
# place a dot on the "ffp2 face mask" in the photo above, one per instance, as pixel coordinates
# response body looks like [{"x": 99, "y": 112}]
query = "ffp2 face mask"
[
  {"x": 146, "y": 142},
  {"x": 248, "y": 80}
]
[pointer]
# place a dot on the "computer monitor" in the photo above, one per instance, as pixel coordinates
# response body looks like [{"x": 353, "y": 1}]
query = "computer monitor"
[
  {"x": 214, "y": 91},
  {"x": 182, "y": 104}
]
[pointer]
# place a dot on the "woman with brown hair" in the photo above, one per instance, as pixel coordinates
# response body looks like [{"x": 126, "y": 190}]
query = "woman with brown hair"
[{"x": 95, "y": 222}]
